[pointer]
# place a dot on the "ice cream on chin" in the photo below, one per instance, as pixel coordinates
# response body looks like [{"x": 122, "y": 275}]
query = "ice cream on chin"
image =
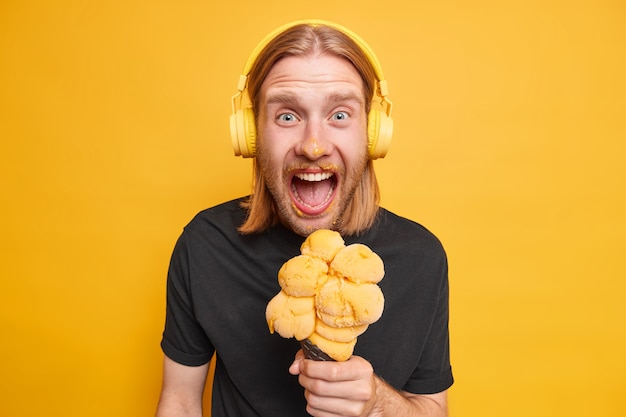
[{"x": 329, "y": 294}]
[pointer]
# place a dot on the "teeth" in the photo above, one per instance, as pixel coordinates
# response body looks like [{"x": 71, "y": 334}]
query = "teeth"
[{"x": 319, "y": 176}]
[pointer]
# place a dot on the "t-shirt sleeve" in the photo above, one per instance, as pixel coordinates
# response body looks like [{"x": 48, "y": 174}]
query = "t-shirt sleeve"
[
  {"x": 184, "y": 340},
  {"x": 434, "y": 373}
]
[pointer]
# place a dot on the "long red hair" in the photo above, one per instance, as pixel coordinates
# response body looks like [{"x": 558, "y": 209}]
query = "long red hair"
[{"x": 302, "y": 40}]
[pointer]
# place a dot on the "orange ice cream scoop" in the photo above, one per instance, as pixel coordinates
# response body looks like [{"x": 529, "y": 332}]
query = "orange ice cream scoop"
[
  {"x": 339, "y": 334},
  {"x": 342, "y": 303},
  {"x": 291, "y": 316},
  {"x": 328, "y": 296},
  {"x": 339, "y": 351},
  {"x": 358, "y": 263},
  {"x": 323, "y": 244},
  {"x": 301, "y": 276}
]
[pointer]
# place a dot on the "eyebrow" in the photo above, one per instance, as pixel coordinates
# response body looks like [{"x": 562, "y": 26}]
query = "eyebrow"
[
  {"x": 282, "y": 98},
  {"x": 289, "y": 98}
]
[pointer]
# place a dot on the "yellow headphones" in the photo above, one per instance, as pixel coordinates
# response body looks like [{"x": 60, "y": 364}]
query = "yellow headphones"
[{"x": 379, "y": 123}]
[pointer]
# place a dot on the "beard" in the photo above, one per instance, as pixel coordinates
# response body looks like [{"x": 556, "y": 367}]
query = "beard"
[{"x": 277, "y": 181}]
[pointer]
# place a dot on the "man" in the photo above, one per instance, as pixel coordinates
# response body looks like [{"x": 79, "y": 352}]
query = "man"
[{"x": 308, "y": 110}]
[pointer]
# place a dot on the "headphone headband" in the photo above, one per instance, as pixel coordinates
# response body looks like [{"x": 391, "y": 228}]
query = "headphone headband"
[
  {"x": 243, "y": 131},
  {"x": 369, "y": 53}
]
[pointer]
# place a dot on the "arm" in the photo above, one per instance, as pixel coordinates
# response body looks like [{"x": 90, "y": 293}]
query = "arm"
[
  {"x": 183, "y": 386},
  {"x": 390, "y": 402},
  {"x": 352, "y": 389}
]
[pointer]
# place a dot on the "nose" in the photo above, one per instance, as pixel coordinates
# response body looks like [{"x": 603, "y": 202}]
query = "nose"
[{"x": 312, "y": 146}]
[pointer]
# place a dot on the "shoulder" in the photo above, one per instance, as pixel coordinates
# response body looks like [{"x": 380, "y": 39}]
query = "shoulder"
[
  {"x": 390, "y": 219},
  {"x": 216, "y": 230},
  {"x": 214, "y": 225},
  {"x": 224, "y": 215},
  {"x": 408, "y": 250},
  {"x": 393, "y": 229}
]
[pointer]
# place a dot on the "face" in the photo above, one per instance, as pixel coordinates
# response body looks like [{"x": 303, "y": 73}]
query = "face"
[{"x": 312, "y": 139}]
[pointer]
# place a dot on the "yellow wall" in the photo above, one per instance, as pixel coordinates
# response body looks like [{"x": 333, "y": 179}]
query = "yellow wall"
[{"x": 509, "y": 145}]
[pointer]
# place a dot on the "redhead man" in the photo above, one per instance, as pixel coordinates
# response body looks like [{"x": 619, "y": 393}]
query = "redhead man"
[{"x": 313, "y": 113}]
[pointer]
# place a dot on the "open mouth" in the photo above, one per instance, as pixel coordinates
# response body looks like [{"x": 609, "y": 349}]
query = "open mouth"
[{"x": 312, "y": 192}]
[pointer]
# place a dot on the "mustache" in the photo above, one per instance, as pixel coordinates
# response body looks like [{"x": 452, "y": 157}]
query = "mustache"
[{"x": 313, "y": 166}]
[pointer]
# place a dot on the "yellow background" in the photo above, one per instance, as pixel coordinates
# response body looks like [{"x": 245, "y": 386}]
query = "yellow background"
[{"x": 509, "y": 145}]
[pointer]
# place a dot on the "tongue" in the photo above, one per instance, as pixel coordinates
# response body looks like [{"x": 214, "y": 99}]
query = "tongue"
[{"x": 313, "y": 193}]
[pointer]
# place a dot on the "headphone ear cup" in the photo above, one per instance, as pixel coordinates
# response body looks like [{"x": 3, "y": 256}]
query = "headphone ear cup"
[
  {"x": 243, "y": 132},
  {"x": 379, "y": 132}
]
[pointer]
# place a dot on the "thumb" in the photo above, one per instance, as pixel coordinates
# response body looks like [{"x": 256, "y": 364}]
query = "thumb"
[{"x": 295, "y": 367}]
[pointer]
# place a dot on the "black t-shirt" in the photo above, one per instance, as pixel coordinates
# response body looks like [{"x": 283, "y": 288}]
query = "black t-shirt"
[{"x": 220, "y": 282}]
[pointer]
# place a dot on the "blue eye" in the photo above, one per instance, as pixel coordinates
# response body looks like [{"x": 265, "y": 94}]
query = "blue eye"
[
  {"x": 340, "y": 115},
  {"x": 286, "y": 117}
]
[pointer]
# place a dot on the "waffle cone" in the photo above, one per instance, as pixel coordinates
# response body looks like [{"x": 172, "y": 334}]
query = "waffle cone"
[{"x": 313, "y": 352}]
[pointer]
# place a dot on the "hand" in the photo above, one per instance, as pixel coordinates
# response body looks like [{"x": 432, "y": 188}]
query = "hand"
[{"x": 336, "y": 388}]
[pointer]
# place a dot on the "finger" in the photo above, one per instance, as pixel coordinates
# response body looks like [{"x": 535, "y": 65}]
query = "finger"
[
  {"x": 355, "y": 368},
  {"x": 320, "y": 406},
  {"x": 296, "y": 365}
]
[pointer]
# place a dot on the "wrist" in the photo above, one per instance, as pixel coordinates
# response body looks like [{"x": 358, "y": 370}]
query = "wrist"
[{"x": 374, "y": 408}]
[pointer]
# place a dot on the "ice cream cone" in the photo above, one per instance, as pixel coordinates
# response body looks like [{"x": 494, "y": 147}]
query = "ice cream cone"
[
  {"x": 328, "y": 297},
  {"x": 313, "y": 352}
]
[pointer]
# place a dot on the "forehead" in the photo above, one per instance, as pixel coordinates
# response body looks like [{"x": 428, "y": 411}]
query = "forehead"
[{"x": 319, "y": 72}]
